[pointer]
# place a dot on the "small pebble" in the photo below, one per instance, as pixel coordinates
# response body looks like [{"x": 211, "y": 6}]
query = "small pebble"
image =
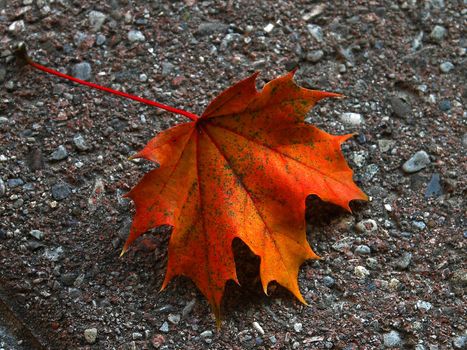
[
  {"x": 12, "y": 183},
  {"x": 404, "y": 261},
  {"x": 208, "y": 28},
  {"x": 206, "y": 334},
  {"x": 417, "y": 41},
  {"x": 316, "y": 10},
  {"x": 386, "y": 145},
  {"x": 167, "y": 68},
  {"x": 419, "y": 225},
  {"x": 438, "y": 33},
  {"x": 400, "y": 108},
  {"x": 100, "y": 39},
  {"x": 39, "y": 235},
  {"x": 446, "y": 67},
  {"x": 16, "y": 27},
  {"x": 315, "y": 56},
  {"x": 137, "y": 336},
  {"x": 174, "y": 318},
  {"x": 434, "y": 188},
  {"x": 347, "y": 54},
  {"x": 298, "y": 327},
  {"x": 370, "y": 171},
  {"x": 188, "y": 308},
  {"x": 258, "y": 328},
  {"x": 423, "y": 305},
  {"x": 361, "y": 272},
  {"x": 157, "y": 341},
  {"x": 392, "y": 339},
  {"x": 459, "y": 278},
  {"x": 269, "y": 28},
  {"x": 96, "y": 20},
  {"x": 165, "y": 327},
  {"x": 10, "y": 86},
  {"x": 445, "y": 105},
  {"x": 82, "y": 71},
  {"x": 316, "y": 32},
  {"x": 60, "y": 191},
  {"x": 136, "y": 35},
  {"x": 79, "y": 142},
  {"x": 90, "y": 335},
  {"x": 363, "y": 250},
  {"x": 328, "y": 281},
  {"x": 394, "y": 284},
  {"x": 2, "y": 188},
  {"x": 352, "y": 119},
  {"x": 367, "y": 226},
  {"x": 54, "y": 254},
  {"x": 372, "y": 263},
  {"x": 342, "y": 245},
  {"x": 78, "y": 39},
  {"x": 60, "y": 153},
  {"x": 460, "y": 342},
  {"x": 417, "y": 162}
]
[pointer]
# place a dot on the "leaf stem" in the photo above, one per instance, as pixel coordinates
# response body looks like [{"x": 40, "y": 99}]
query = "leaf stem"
[{"x": 187, "y": 114}]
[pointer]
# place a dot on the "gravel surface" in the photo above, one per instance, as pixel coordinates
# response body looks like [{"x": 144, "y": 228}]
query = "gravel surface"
[{"x": 393, "y": 274}]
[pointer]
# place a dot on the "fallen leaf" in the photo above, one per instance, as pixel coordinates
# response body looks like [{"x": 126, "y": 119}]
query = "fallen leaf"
[{"x": 242, "y": 170}]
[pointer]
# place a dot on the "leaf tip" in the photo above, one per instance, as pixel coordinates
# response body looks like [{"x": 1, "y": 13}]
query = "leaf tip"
[
  {"x": 326, "y": 94},
  {"x": 124, "y": 250},
  {"x": 301, "y": 298},
  {"x": 134, "y": 156},
  {"x": 293, "y": 71},
  {"x": 127, "y": 195},
  {"x": 166, "y": 281}
]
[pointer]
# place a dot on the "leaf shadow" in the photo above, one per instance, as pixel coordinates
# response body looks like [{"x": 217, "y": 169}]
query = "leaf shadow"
[
  {"x": 249, "y": 294},
  {"x": 321, "y": 215}
]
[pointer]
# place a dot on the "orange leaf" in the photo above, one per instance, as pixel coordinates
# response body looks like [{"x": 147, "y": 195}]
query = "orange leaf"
[{"x": 242, "y": 170}]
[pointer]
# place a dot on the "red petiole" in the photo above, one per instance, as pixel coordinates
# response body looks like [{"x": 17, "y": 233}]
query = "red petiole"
[{"x": 189, "y": 115}]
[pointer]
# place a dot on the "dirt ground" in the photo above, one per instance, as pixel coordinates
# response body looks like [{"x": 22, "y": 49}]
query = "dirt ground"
[{"x": 393, "y": 274}]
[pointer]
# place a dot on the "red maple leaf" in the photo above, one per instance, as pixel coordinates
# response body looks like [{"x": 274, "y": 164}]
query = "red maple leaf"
[{"x": 241, "y": 170}]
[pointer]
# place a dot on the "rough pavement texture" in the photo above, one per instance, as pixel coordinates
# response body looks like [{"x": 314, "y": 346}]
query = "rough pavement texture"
[{"x": 397, "y": 279}]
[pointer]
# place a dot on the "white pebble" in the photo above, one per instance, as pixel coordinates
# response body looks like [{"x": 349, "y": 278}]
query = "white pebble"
[
  {"x": 90, "y": 335},
  {"x": 361, "y": 272},
  {"x": 136, "y": 35},
  {"x": 269, "y": 28},
  {"x": 258, "y": 327},
  {"x": 352, "y": 119},
  {"x": 298, "y": 327},
  {"x": 423, "y": 305}
]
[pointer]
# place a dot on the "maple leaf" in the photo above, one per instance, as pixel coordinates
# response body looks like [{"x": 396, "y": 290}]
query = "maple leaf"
[{"x": 242, "y": 170}]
